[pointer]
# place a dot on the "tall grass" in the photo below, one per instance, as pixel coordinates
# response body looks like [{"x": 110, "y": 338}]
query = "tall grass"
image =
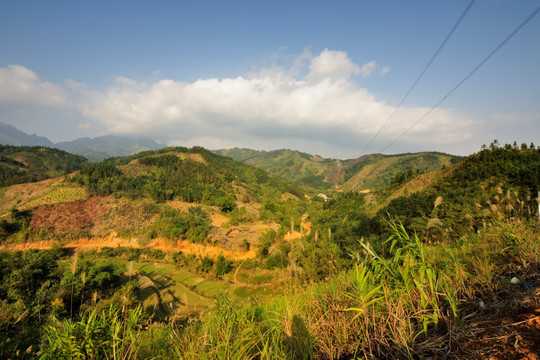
[{"x": 402, "y": 302}]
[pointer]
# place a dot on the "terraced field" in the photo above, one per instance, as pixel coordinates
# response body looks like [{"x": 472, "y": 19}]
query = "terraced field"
[{"x": 168, "y": 290}]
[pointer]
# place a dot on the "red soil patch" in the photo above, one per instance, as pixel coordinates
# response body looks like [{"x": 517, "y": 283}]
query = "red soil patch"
[{"x": 73, "y": 216}]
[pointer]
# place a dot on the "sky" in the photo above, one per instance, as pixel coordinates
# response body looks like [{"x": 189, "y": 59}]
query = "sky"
[{"x": 323, "y": 77}]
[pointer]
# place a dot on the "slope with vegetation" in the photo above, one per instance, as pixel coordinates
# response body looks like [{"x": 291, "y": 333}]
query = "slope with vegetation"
[
  {"x": 138, "y": 197},
  {"x": 426, "y": 275},
  {"x": 369, "y": 172},
  {"x": 23, "y": 164}
]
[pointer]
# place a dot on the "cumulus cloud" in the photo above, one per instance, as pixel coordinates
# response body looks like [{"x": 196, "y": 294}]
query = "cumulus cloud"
[
  {"x": 325, "y": 106},
  {"x": 314, "y": 105},
  {"x": 332, "y": 65},
  {"x": 21, "y": 92}
]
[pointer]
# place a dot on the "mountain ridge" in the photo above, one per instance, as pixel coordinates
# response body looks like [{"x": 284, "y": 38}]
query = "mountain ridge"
[
  {"x": 368, "y": 172},
  {"x": 94, "y": 149}
]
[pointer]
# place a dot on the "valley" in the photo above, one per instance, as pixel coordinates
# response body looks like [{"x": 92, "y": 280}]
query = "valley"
[{"x": 181, "y": 242}]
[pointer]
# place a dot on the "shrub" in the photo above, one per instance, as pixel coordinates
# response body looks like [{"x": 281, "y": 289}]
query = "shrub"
[{"x": 223, "y": 266}]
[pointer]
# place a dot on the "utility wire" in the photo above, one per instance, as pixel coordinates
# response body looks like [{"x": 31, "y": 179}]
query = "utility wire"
[
  {"x": 529, "y": 18},
  {"x": 420, "y": 76}
]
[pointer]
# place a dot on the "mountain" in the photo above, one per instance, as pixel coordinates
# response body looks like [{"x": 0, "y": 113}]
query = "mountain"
[
  {"x": 366, "y": 173},
  {"x": 10, "y": 135},
  {"x": 94, "y": 149},
  {"x": 102, "y": 147}
]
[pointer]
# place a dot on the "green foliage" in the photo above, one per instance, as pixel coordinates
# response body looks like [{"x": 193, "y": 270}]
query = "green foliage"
[
  {"x": 18, "y": 221},
  {"x": 22, "y": 164},
  {"x": 110, "y": 334},
  {"x": 29, "y": 281},
  {"x": 265, "y": 241},
  {"x": 193, "y": 225},
  {"x": 191, "y": 175},
  {"x": 343, "y": 221},
  {"x": 223, "y": 266},
  {"x": 319, "y": 259},
  {"x": 206, "y": 264},
  {"x": 98, "y": 277},
  {"x": 240, "y": 215}
]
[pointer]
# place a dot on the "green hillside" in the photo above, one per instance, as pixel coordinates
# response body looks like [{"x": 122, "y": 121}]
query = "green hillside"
[
  {"x": 295, "y": 166},
  {"x": 22, "y": 164},
  {"x": 191, "y": 175},
  {"x": 370, "y": 172},
  {"x": 376, "y": 172},
  {"x": 152, "y": 187},
  {"x": 504, "y": 180},
  {"x": 427, "y": 272}
]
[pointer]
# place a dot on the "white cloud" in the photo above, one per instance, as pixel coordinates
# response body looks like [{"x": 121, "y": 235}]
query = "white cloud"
[
  {"x": 367, "y": 69},
  {"x": 332, "y": 65},
  {"x": 84, "y": 126},
  {"x": 314, "y": 105},
  {"x": 21, "y": 91}
]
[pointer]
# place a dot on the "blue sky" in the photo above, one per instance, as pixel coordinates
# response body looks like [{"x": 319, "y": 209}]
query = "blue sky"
[{"x": 316, "y": 76}]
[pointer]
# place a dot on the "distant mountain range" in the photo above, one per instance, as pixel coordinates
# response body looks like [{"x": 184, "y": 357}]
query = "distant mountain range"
[
  {"x": 9, "y": 135},
  {"x": 94, "y": 149},
  {"x": 367, "y": 173}
]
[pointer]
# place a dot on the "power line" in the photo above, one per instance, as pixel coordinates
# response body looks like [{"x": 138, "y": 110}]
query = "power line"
[
  {"x": 421, "y": 75},
  {"x": 516, "y": 30}
]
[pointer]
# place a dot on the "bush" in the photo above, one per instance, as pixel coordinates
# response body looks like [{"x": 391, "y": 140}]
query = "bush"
[
  {"x": 207, "y": 264},
  {"x": 223, "y": 266}
]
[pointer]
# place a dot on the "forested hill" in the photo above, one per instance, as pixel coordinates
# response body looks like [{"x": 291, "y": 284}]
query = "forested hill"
[
  {"x": 191, "y": 175},
  {"x": 22, "y": 164},
  {"x": 369, "y": 172},
  {"x": 169, "y": 193},
  {"x": 295, "y": 166},
  {"x": 500, "y": 180}
]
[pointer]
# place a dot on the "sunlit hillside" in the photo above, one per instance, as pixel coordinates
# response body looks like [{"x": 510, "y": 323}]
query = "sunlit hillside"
[{"x": 181, "y": 252}]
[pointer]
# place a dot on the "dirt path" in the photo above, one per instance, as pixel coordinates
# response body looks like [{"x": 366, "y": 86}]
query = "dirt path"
[{"x": 113, "y": 241}]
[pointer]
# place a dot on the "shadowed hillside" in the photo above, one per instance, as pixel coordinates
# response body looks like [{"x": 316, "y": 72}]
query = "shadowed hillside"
[{"x": 22, "y": 164}]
